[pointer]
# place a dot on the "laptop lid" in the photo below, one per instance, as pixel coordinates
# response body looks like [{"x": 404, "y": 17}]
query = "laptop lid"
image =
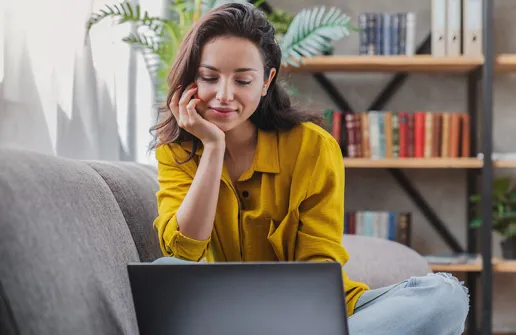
[{"x": 239, "y": 298}]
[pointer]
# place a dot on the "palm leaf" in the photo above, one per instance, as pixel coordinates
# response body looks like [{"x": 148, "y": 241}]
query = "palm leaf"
[
  {"x": 142, "y": 41},
  {"x": 125, "y": 12},
  {"x": 311, "y": 33}
]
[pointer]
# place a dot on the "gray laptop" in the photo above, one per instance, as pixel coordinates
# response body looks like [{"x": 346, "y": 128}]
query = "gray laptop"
[{"x": 239, "y": 299}]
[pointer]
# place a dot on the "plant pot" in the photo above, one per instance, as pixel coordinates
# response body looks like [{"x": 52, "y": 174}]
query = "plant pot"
[{"x": 509, "y": 248}]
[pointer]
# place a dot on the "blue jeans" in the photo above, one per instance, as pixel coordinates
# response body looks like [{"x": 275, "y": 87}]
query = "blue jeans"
[{"x": 435, "y": 304}]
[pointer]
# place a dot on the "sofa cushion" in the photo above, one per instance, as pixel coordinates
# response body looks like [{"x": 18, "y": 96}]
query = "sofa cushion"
[
  {"x": 134, "y": 187},
  {"x": 64, "y": 246},
  {"x": 379, "y": 262}
]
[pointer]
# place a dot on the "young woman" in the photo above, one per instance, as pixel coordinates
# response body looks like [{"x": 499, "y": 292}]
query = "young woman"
[{"x": 244, "y": 176}]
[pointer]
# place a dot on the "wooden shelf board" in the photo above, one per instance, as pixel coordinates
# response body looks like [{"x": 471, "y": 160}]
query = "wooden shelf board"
[
  {"x": 498, "y": 266},
  {"x": 414, "y": 163},
  {"x": 456, "y": 267},
  {"x": 504, "y": 164},
  {"x": 417, "y": 63},
  {"x": 505, "y": 63}
]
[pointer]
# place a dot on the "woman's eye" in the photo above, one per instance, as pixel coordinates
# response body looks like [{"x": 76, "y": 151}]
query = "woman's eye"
[{"x": 213, "y": 79}]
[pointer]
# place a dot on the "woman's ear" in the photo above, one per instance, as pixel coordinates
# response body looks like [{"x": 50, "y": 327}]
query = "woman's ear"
[{"x": 267, "y": 83}]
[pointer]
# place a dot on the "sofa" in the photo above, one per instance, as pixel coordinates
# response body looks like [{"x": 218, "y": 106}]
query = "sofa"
[{"x": 69, "y": 227}]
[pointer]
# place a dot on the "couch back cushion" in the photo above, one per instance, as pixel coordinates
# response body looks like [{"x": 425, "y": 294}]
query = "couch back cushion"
[
  {"x": 64, "y": 246},
  {"x": 379, "y": 262},
  {"x": 134, "y": 187}
]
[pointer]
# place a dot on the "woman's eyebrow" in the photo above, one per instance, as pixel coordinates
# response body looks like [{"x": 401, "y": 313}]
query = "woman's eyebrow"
[{"x": 240, "y": 69}]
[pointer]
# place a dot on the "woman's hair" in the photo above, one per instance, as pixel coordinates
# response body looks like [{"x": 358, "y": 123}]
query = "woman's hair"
[{"x": 274, "y": 111}]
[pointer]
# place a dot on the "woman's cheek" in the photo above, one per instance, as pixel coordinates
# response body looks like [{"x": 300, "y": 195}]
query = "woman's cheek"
[{"x": 201, "y": 93}]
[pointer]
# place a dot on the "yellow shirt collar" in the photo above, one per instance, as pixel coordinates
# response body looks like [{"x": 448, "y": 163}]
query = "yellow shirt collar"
[{"x": 266, "y": 158}]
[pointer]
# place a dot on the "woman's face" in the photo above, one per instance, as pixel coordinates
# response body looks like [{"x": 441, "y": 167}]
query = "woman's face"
[{"x": 230, "y": 81}]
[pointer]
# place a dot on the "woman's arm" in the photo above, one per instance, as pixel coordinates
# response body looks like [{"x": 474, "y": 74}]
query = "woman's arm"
[
  {"x": 196, "y": 214},
  {"x": 187, "y": 202},
  {"x": 187, "y": 205}
]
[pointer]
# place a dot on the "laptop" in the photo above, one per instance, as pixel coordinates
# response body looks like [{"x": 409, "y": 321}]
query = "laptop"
[{"x": 283, "y": 298}]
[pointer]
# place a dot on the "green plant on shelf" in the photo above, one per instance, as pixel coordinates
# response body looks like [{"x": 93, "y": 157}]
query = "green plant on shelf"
[
  {"x": 503, "y": 213},
  {"x": 309, "y": 33}
]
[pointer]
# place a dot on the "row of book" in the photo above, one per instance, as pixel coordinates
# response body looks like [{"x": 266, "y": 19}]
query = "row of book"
[
  {"x": 457, "y": 27},
  {"x": 387, "y": 33},
  {"x": 388, "y": 225},
  {"x": 386, "y": 134}
]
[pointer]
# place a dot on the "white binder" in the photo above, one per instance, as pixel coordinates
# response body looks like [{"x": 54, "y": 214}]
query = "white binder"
[
  {"x": 453, "y": 36},
  {"x": 439, "y": 28},
  {"x": 472, "y": 23}
]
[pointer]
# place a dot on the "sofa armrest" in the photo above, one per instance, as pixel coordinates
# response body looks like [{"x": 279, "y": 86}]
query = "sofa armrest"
[{"x": 380, "y": 262}]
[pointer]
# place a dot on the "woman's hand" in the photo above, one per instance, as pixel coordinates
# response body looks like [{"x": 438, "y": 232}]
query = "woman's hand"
[{"x": 187, "y": 118}]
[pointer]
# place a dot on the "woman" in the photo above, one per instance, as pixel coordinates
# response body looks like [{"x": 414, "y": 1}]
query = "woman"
[{"x": 244, "y": 176}]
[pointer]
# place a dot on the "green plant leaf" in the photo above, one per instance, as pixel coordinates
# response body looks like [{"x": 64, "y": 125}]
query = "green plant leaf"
[
  {"x": 311, "y": 33},
  {"x": 142, "y": 41},
  {"x": 475, "y": 198},
  {"x": 501, "y": 185},
  {"x": 281, "y": 20},
  {"x": 125, "y": 12},
  {"x": 208, "y": 5},
  {"x": 509, "y": 231},
  {"x": 476, "y": 223}
]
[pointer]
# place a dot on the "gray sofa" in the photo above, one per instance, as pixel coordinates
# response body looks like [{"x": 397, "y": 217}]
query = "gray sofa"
[{"x": 68, "y": 228}]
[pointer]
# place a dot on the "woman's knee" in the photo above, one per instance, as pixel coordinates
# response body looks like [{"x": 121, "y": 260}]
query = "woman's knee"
[{"x": 446, "y": 295}]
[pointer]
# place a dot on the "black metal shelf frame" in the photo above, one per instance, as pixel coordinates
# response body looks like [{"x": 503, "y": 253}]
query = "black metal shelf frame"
[{"x": 484, "y": 74}]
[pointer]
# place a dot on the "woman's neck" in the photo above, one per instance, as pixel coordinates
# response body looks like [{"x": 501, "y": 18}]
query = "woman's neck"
[{"x": 241, "y": 139}]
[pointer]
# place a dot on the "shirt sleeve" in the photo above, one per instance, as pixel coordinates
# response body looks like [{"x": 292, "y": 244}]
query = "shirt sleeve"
[
  {"x": 174, "y": 183},
  {"x": 321, "y": 218}
]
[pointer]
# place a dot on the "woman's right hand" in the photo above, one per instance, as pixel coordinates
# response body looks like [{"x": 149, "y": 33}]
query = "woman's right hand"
[{"x": 189, "y": 119}]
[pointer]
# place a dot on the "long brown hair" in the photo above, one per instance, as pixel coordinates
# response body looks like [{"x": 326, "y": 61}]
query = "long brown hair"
[{"x": 274, "y": 111}]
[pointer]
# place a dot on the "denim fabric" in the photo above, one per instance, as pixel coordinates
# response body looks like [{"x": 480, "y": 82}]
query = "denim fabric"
[{"x": 433, "y": 304}]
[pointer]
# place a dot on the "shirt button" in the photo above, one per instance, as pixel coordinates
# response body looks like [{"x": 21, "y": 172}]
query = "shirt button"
[{"x": 245, "y": 194}]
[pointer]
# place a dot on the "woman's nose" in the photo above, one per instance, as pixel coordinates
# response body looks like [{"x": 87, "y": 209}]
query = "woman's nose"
[{"x": 225, "y": 93}]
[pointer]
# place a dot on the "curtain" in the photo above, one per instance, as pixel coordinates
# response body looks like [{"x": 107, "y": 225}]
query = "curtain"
[{"x": 67, "y": 93}]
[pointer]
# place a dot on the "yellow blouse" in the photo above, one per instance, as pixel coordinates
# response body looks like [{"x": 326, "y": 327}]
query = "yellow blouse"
[{"x": 288, "y": 206}]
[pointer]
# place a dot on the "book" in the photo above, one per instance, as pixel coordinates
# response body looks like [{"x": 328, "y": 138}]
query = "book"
[
  {"x": 387, "y": 33},
  {"x": 393, "y": 134},
  {"x": 388, "y": 225}
]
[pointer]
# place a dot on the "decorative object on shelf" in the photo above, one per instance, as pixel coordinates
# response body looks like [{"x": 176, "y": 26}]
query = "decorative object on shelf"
[
  {"x": 306, "y": 34},
  {"x": 387, "y": 33},
  {"x": 503, "y": 214}
]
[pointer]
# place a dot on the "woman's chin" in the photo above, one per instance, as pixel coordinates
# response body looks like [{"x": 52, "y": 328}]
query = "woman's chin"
[{"x": 224, "y": 127}]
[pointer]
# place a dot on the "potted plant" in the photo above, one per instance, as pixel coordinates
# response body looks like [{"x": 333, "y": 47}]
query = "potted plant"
[
  {"x": 306, "y": 34},
  {"x": 503, "y": 214}
]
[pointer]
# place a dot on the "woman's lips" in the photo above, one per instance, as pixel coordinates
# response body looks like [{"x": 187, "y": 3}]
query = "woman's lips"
[{"x": 219, "y": 111}]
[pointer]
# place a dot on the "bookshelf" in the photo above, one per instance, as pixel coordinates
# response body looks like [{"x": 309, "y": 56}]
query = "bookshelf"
[
  {"x": 423, "y": 163},
  {"x": 499, "y": 266},
  {"x": 503, "y": 63},
  {"x": 414, "y": 163},
  {"x": 402, "y": 63},
  {"x": 479, "y": 73},
  {"x": 504, "y": 164}
]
